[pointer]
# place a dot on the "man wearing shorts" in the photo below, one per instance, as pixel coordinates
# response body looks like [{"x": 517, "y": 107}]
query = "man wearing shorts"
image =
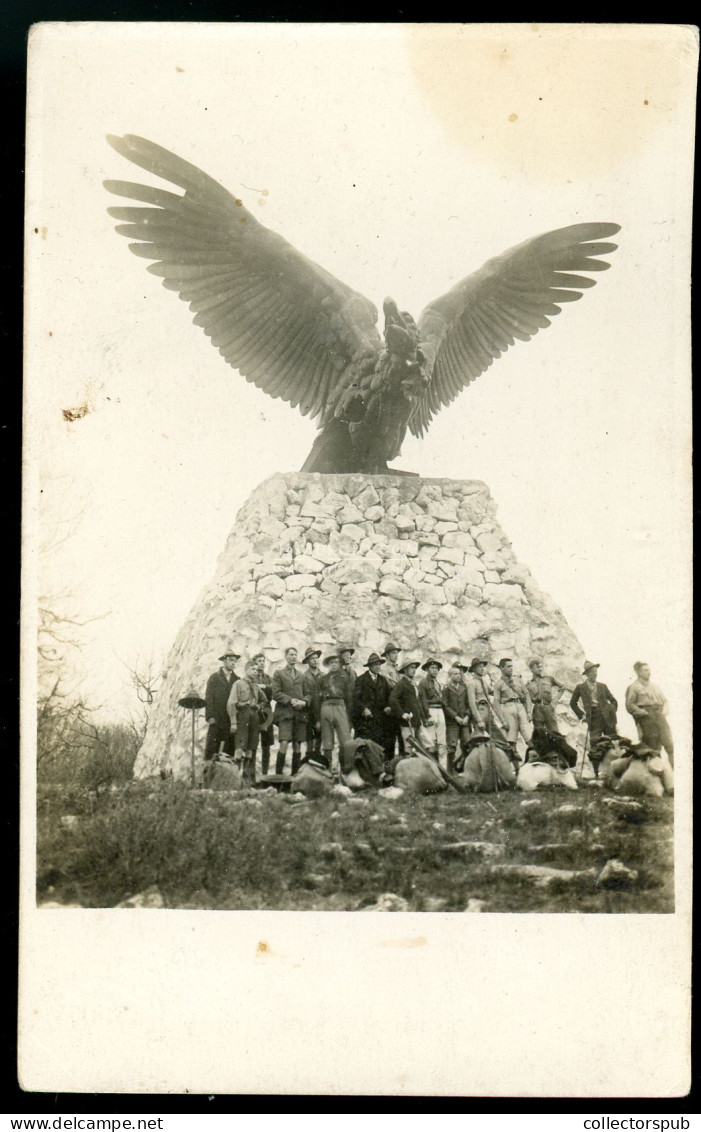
[{"x": 290, "y": 711}]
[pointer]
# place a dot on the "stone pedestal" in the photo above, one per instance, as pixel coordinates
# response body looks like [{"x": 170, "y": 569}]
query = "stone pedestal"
[{"x": 321, "y": 559}]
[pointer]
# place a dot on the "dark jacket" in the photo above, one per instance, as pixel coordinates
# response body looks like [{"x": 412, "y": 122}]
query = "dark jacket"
[
  {"x": 286, "y": 687},
  {"x": 455, "y": 703},
  {"x": 216, "y": 695},
  {"x": 310, "y": 686},
  {"x": 404, "y": 697},
  {"x": 430, "y": 693},
  {"x": 372, "y": 693},
  {"x": 606, "y": 702}
]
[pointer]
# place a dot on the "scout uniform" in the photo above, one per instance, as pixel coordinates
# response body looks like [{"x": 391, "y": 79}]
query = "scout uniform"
[
  {"x": 515, "y": 703},
  {"x": 431, "y": 699},
  {"x": 648, "y": 705},
  {"x": 335, "y": 710}
]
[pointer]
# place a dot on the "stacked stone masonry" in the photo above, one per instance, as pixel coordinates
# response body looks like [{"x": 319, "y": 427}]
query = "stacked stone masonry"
[{"x": 318, "y": 559}]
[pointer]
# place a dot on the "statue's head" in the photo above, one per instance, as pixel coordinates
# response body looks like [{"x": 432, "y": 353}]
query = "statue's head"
[{"x": 403, "y": 345}]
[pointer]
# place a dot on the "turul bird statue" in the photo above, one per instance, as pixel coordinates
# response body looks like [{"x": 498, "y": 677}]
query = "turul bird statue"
[{"x": 298, "y": 333}]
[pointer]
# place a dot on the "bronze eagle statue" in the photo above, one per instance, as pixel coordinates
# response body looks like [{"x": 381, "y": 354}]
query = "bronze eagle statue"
[{"x": 300, "y": 334}]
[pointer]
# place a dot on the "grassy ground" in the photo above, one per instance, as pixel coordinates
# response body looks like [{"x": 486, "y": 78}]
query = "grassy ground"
[{"x": 265, "y": 850}]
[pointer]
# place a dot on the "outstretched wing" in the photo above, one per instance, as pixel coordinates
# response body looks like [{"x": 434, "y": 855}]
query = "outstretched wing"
[
  {"x": 512, "y": 297},
  {"x": 284, "y": 322}
]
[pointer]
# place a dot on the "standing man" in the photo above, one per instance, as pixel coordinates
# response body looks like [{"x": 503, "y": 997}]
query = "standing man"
[
  {"x": 391, "y": 658},
  {"x": 345, "y": 654},
  {"x": 246, "y": 706},
  {"x": 540, "y": 689},
  {"x": 594, "y": 703},
  {"x": 648, "y": 705},
  {"x": 431, "y": 699},
  {"x": 371, "y": 711},
  {"x": 216, "y": 697},
  {"x": 456, "y": 710},
  {"x": 310, "y": 685},
  {"x": 334, "y": 712},
  {"x": 267, "y": 736},
  {"x": 290, "y": 711},
  {"x": 404, "y": 701},
  {"x": 513, "y": 699},
  {"x": 391, "y": 674},
  {"x": 487, "y": 719}
]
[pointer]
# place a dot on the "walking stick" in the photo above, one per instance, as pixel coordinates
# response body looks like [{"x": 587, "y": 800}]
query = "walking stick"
[{"x": 584, "y": 750}]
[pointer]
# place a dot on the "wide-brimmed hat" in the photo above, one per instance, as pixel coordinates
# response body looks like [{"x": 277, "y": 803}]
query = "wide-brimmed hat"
[
  {"x": 476, "y": 661},
  {"x": 408, "y": 664},
  {"x": 461, "y": 667},
  {"x": 309, "y": 654},
  {"x": 332, "y": 656},
  {"x": 346, "y": 648},
  {"x": 391, "y": 647},
  {"x": 235, "y": 655},
  {"x": 588, "y": 665},
  {"x": 373, "y": 659},
  {"x": 431, "y": 660}
]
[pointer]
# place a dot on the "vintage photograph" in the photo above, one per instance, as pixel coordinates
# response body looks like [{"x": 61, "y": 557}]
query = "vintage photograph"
[{"x": 340, "y": 605}]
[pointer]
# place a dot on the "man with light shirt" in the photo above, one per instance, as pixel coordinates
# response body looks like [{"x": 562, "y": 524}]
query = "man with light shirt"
[{"x": 648, "y": 705}]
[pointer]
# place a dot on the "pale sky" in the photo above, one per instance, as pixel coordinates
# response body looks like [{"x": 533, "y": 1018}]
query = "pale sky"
[{"x": 400, "y": 159}]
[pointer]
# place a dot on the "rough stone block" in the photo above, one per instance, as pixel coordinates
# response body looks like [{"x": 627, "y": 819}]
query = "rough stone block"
[
  {"x": 392, "y": 587},
  {"x": 273, "y": 585},
  {"x": 300, "y": 581},
  {"x": 450, "y": 554}
]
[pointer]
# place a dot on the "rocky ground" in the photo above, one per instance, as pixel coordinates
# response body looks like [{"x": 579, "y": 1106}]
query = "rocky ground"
[{"x": 160, "y": 844}]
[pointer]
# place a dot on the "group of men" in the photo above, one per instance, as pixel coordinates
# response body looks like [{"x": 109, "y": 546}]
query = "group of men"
[{"x": 320, "y": 704}]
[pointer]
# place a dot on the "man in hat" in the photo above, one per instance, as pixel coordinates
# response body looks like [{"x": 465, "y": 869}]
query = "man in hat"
[
  {"x": 247, "y": 704},
  {"x": 456, "y": 709},
  {"x": 391, "y": 659},
  {"x": 334, "y": 711},
  {"x": 593, "y": 702},
  {"x": 431, "y": 699},
  {"x": 404, "y": 701},
  {"x": 310, "y": 685},
  {"x": 267, "y": 734},
  {"x": 648, "y": 705},
  {"x": 290, "y": 711},
  {"x": 371, "y": 710},
  {"x": 487, "y": 718},
  {"x": 345, "y": 654},
  {"x": 512, "y": 698},
  {"x": 541, "y": 689},
  {"x": 391, "y": 674},
  {"x": 216, "y": 698}
]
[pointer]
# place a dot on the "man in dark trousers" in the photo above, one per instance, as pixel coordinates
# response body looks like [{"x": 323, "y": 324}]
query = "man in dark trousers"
[
  {"x": 310, "y": 686},
  {"x": 267, "y": 736},
  {"x": 290, "y": 711},
  {"x": 456, "y": 709},
  {"x": 391, "y": 675},
  {"x": 371, "y": 711},
  {"x": 216, "y": 697},
  {"x": 405, "y": 704},
  {"x": 592, "y": 701}
]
